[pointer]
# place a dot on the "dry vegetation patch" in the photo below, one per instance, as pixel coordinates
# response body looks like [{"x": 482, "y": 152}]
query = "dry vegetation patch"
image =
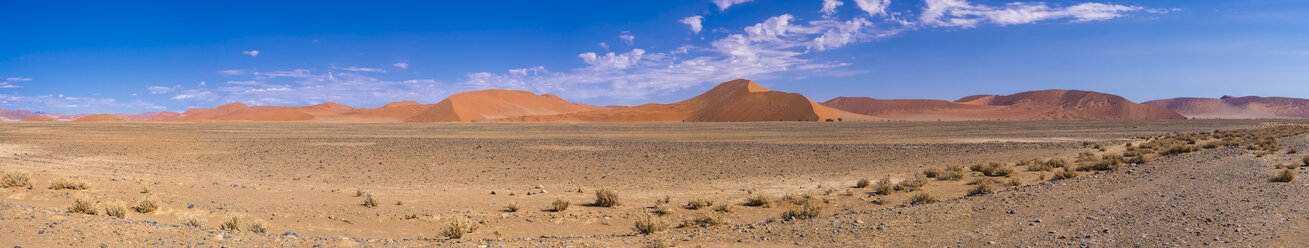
[
  {"x": 82, "y": 205},
  {"x": 65, "y": 183},
  {"x": 649, "y": 224},
  {"x": 15, "y": 179},
  {"x": 457, "y": 228},
  {"x": 1286, "y": 175},
  {"x": 606, "y": 198},
  {"x": 559, "y": 205}
]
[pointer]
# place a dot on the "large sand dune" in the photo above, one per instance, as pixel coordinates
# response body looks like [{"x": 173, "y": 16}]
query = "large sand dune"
[
  {"x": 496, "y": 104},
  {"x": 734, "y": 101},
  {"x": 1031, "y": 105},
  {"x": 99, "y": 117},
  {"x": 1227, "y": 107}
]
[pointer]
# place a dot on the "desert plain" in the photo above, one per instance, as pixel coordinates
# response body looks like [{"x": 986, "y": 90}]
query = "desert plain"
[{"x": 306, "y": 185}]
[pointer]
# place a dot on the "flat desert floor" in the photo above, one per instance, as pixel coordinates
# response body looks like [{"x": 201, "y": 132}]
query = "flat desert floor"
[{"x": 304, "y": 181}]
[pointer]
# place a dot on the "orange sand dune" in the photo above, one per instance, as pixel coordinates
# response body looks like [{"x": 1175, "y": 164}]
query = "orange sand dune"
[
  {"x": 495, "y": 104},
  {"x": 1031, "y": 105},
  {"x": 41, "y": 118},
  {"x": 1227, "y": 107},
  {"x": 733, "y": 101},
  {"x": 240, "y": 112},
  {"x": 391, "y": 112},
  {"x": 99, "y": 117},
  {"x": 149, "y": 116}
]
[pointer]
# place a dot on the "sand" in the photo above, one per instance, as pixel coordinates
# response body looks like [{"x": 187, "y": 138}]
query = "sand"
[
  {"x": 734, "y": 101},
  {"x": 301, "y": 177},
  {"x": 41, "y": 118},
  {"x": 1031, "y": 105},
  {"x": 1250, "y": 107},
  {"x": 496, "y": 104},
  {"x": 99, "y": 117}
]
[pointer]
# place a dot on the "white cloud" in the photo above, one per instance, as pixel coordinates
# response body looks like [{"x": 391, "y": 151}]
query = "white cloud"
[
  {"x": 829, "y": 7},
  {"x": 362, "y": 69},
  {"x": 960, "y": 13},
  {"x": 401, "y": 65},
  {"x": 627, "y": 37},
  {"x": 723, "y": 4},
  {"x": 155, "y": 90},
  {"x": 695, "y": 22},
  {"x": 58, "y": 103},
  {"x": 299, "y": 87},
  {"x": 252, "y": 53},
  {"x": 8, "y": 83},
  {"x": 873, "y": 7}
]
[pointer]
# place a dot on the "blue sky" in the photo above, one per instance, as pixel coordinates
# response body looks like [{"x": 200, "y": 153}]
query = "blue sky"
[{"x": 97, "y": 57}]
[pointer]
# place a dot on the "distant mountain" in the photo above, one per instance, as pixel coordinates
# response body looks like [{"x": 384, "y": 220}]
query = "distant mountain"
[
  {"x": 496, "y": 104},
  {"x": 16, "y": 114},
  {"x": 1228, "y": 107},
  {"x": 99, "y": 118},
  {"x": 733, "y": 101},
  {"x": 1031, "y": 105}
]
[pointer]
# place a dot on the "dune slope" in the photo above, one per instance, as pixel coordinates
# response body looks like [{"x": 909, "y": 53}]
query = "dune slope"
[
  {"x": 733, "y": 101},
  {"x": 1031, "y": 105},
  {"x": 495, "y": 104},
  {"x": 1228, "y": 107}
]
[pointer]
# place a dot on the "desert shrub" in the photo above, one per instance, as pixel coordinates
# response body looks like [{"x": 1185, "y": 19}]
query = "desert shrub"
[
  {"x": 724, "y": 208},
  {"x": 983, "y": 180},
  {"x": 190, "y": 219},
  {"x": 559, "y": 205},
  {"x": 863, "y": 183},
  {"x": 456, "y": 228},
  {"x": 884, "y": 187},
  {"x": 665, "y": 200},
  {"x": 370, "y": 201},
  {"x": 65, "y": 183},
  {"x": 145, "y": 206},
  {"x": 1014, "y": 182},
  {"x": 649, "y": 224},
  {"x": 662, "y": 209},
  {"x": 360, "y": 193},
  {"x": 1292, "y": 150},
  {"x": 983, "y": 187},
  {"x": 922, "y": 198},
  {"x": 1056, "y": 163},
  {"x": 932, "y": 173},
  {"x": 704, "y": 220},
  {"x": 82, "y": 205},
  {"x": 230, "y": 223},
  {"x": 798, "y": 199},
  {"x": 1040, "y": 166},
  {"x": 116, "y": 210},
  {"x": 658, "y": 244},
  {"x": 1140, "y": 159},
  {"x": 1066, "y": 174},
  {"x": 1287, "y": 175},
  {"x": 699, "y": 203},
  {"x": 759, "y": 200},
  {"x": 512, "y": 207},
  {"x": 952, "y": 173},
  {"x": 805, "y": 212},
  {"x": 1176, "y": 149},
  {"x": 1106, "y": 162},
  {"x": 258, "y": 226},
  {"x": 606, "y": 198},
  {"x": 15, "y": 179},
  {"x": 912, "y": 184},
  {"x": 1087, "y": 158},
  {"x": 993, "y": 169}
]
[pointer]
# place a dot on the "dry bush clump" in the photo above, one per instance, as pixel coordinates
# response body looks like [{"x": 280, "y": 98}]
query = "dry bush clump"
[
  {"x": 1177, "y": 149},
  {"x": 606, "y": 198},
  {"x": 863, "y": 183},
  {"x": 724, "y": 208},
  {"x": 983, "y": 187},
  {"x": 805, "y": 212},
  {"x": 922, "y": 198},
  {"x": 1014, "y": 182},
  {"x": 1104, "y": 163},
  {"x": 912, "y": 184},
  {"x": 1287, "y": 175},
  {"x": 663, "y": 209},
  {"x": 1048, "y": 165},
  {"x": 665, "y": 200},
  {"x": 14, "y": 179},
  {"x": 704, "y": 220},
  {"x": 512, "y": 207},
  {"x": 230, "y": 223},
  {"x": 145, "y": 206},
  {"x": 649, "y": 224},
  {"x": 65, "y": 183},
  {"x": 884, "y": 187},
  {"x": 1066, "y": 174},
  {"x": 360, "y": 193},
  {"x": 798, "y": 199},
  {"x": 932, "y": 172},
  {"x": 658, "y": 244},
  {"x": 993, "y": 169},
  {"x": 952, "y": 173},
  {"x": 116, "y": 210},
  {"x": 258, "y": 226},
  {"x": 190, "y": 219},
  {"x": 559, "y": 205},
  {"x": 82, "y": 205},
  {"x": 370, "y": 201},
  {"x": 759, "y": 200},
  {"x": 699, "y": 203},
  {"x": 456, "y": 228}
]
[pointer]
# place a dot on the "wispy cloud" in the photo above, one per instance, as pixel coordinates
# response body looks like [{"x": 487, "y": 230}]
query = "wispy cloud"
[
  {"x": 8, "y": 83},
  {"x": 55, "y": 103},
  {"x": 627, "y": 37},
  {"x": 960, "y": 13},
  {"x": 873, "y": 7},
  {"x": 155, "y": 90},
  {"x": 307, "y": 87},
  {"x": 361, "y": 69},
  {"x": 695, "y": 22},
  {"x": 252, "y": 53},
  {"x": 829, "y": 7},
  {"x": 401, "y": 65},
  {"x": 724, "y": 4}
]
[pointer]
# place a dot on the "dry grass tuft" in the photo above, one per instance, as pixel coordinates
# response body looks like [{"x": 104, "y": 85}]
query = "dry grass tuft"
[
  {"x": 724, "y": 208},
  {"x": 65, "y": 183},
  {"x": 658, "y": 244},
  {"x": 863, "y": 183},
  {"x": 1014, "y": 182},
  {"x": 798, "y": 199},
  {"x": 993, "y": 169},
  {"x": 116, "y": 210},
  {"x": 145, "y": 206},
  {"x": 663, "y": 209},
  {"x": 884, "y": 187},
  {"x": 1287, "y": 175},
  {"x": 759, "y": 200},
  {"x": 922, "y": 198},
  {"x": 1066, "y": 174},
  {"x": 82, "y": 205},
  {"x": 983, "y": 187},
  {"x": 699, "y": 203},
  {"x": 952, "y": 173},
  {"x": 230, "y": 223},
  {"x": 190, "y": 219},
  {"x": 933, "y": 173},
  {"x": 360, "y": 193},
  {"x": 606, "y": 198},
  {"x": 257, "y": 226},
  {"x": 512, "y": 207},
  {"x": 805, "y": 212},
  {"x": 370, "y": 201},
  {"x": 649, "y": 224},
  {"x": 912, "y": 184},
  {"x": 15, "y": 179},
  {"x": 559, "y": 205},
  {"x": 704, "y": 220},
  {"x": 456, "y": 228}
]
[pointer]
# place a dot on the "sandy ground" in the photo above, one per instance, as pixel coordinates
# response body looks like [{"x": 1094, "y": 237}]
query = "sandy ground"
[{"x": 301, "y": 179}]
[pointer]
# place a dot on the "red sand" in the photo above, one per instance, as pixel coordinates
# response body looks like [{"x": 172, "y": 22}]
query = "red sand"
[
  {"x": 1249, "y": 107},
  {"x": 1031, "y": 105},
  {"x": 733, "y": 101}
]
